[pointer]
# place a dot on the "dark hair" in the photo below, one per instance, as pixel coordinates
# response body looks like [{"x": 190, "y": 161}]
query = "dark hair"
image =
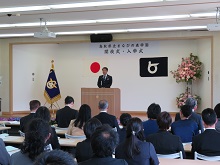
[
  {"x": 83, "y": 116},
  {"x": 104, "y": 141},
  {"x": 43, "y": 113},
  {"x": 186, "y": 110},
  {"x": 55, "y": 157},
  {"x": 105, "y": 68},
  {"x": 153, "y": 111},
  {"x": 103, "y": 104},
  {"x": 134, "y": 133},
  {"x": 124, "y": 118},
  {"x": 34, "y": 142},
  {"x": 209, "y": 116},
  {"x": 34, "y": 104},
  {"x": 91, "y": 126},
  {"x": 217, "y": 110},
  {"x": 69, "y": 100},
  {"x": 191, "y": 102},
  {"x": 164, "y": 120}
]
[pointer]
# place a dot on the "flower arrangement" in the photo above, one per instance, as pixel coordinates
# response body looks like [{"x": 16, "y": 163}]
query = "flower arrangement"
[
  {"x": 181, "y": 99},
  {"x": 189, "y": 69}
]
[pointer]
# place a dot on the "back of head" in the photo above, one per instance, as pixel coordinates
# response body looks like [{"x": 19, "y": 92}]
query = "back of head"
[
  {"x": 191, "y": 102},
  {"x": 217, "y": 110},
  {"x": 43, "y": 113},
  {"x": 153, "y": 111},
  {"x": 134, "y": 133},
  {"x": 124, "y": 118},
  {"x": 90, "y": 127},
  {"x": 164, "y": 120},
  {"x": 34, "y": 104},
  {"x": 69, "y": 100},
  {"x": 55, "y": 157},
  {"x": 104, "y": 141},
  {"x": 186, "y": 110},
  {"x": 37, "y": 133},
  {"x": 83, "y": 116},
  {"x": 209, "y": 116},
  {"x": 103, "y": 105}
]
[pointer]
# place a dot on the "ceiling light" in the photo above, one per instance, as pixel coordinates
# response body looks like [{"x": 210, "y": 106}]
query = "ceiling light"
[
  {"x": 16, "y": 35},
  {"x": 203, "y": 15},
  {"x": 19, "y": 9}
]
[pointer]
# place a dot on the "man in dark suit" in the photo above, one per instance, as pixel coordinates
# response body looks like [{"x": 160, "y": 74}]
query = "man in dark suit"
[
  {"x": 34, "y": 105},
  {"x": 66, "y": 114},
  {"x": 195, "y": 117},
  {"x": 104, "y": 141},
  {"x": 105, "y": 80},
  {"x": 104, "y": 117},
  {"x": 208, "y": 142},
  {"x": 163, "y": 141}
]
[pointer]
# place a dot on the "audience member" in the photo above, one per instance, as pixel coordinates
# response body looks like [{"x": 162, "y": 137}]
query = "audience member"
[
  {"x": 104, "y": 117},
  {"x": 134, "y": 150},
  {"x": 150, "y": 126},
  {"x": 84, "y": 149},
  {"x": 4, "y": 156},
  {"x": 44, "y": 113},
  {"x": 55, "y": 157},
  {"x": 36, "y": 136},
  {"x": 103, "y": 142},
  {"x": 217, "y": 111},
  {"x": 76, "y": 126},
  {"x": 124, "y": 118},
  {"x": 195, "y": 117},
  {"x": 185, "y": 128},
  {"x": 208, "y": 142},
  {"x": 66, "y": 114},
  {"x": 163, "y": 141},
  {"x": 34, "y": 104}
]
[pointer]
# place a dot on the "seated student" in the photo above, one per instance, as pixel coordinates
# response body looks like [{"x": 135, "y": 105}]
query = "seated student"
[
  {"x": 44, "y": 113},
  {"x": 104, "y": 117},
  {"x": 4, "y": 156},
  {"x": 103, "y": 142},
  {"x": 34, "y": 105},
  {"x": 185, "y": 128},
  {"x": 163, "y": 141},
  {"x": 36, "y": 136},
  {"x": 217, "y": 111},
  {"x": 195, "y": 117},
  {"x": 150, "y": 126},
  {"x": 55, "y": 157},
  {"x": 134, "y": 150},
  {"x": 124, "y": 118},
  {"x": 76, "y": 126},
  {"x": 66, "y": 114},
  {"x": 84, "y": 149},
  {"x": 208, "y": 142}
]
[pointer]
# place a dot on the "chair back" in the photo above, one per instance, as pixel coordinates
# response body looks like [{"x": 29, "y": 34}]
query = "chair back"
[
  {"x": 22, "y": 134},
  {"x": 178, "y": 155},
  {"x": 204, "y": 157},
  {"x": 67, "y": 136}
]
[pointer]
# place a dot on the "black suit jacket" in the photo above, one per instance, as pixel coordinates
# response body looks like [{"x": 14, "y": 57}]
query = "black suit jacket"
[
  {"x": 207, "y": 143},
  {"x": 53, "y": 139},
  {"x": 106, "y": 118},
  {"x": 83, "y": 151},
  {"x": 104, "y": 83},
  {"x": 104, "y": 161},
  {"x": 65, "y": 115},
  {"x": 195, "y": 117},
  {"x": 4, "y": 156},
  {"x": 25, "y": 120},
  {"x": 166, "y": 143}
]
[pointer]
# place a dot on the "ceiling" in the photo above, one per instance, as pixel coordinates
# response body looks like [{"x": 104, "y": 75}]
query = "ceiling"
[{"x": 180, "y": 7}]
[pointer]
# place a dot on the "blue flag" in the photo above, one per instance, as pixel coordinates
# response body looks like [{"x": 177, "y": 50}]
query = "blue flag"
[{"x": 52, "y": 90}]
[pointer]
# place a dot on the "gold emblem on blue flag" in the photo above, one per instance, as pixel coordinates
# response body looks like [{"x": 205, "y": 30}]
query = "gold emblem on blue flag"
[{"x": 52, "y": 90}]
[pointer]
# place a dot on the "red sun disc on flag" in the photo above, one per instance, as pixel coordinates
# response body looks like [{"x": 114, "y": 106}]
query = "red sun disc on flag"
[{"x": 95, "y": 67}]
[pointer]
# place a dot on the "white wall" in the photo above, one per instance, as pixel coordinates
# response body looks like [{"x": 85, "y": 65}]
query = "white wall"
[{"x": 70, "y": 62}]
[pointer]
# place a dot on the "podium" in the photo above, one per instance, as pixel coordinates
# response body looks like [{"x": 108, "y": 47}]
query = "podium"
[{"x": 92, "y": 96}]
